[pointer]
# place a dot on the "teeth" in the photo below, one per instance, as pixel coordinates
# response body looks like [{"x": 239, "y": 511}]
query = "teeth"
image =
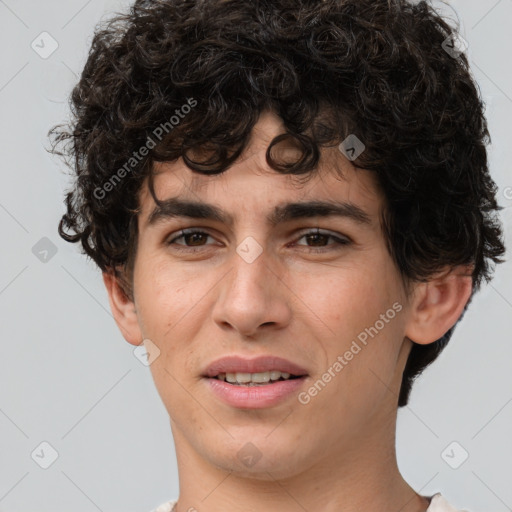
[
  {"x": 260, "y": 377},
  {"x": 274, "y": 375},
  {"x": 253, "y": 378}
]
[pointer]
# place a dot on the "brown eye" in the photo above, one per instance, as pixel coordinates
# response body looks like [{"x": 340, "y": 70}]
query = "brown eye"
[
  {"x": 316, "y": 236},
  {"x": 190, "y": 236}
]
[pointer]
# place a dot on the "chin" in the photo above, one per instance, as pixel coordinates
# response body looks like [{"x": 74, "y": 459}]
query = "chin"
[
  {"x": 264, "y": 470},
  {"x": 258, "y": 458}
]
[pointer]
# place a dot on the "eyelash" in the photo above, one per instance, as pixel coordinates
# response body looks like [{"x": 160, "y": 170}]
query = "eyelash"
[{"x": 185, "y": 232}]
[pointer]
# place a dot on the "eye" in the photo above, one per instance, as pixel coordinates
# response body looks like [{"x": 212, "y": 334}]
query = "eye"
[
  {"x": 317, "y": 235},
  {"x": 187, "y": 235},
  {"x": 194, "y": 236}
]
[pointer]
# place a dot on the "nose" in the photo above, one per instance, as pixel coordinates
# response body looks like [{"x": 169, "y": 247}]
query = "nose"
[{"x": 254, "y": 296}]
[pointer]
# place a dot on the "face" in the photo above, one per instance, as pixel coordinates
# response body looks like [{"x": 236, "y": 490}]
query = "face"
[{"x": 320, "y": 292}]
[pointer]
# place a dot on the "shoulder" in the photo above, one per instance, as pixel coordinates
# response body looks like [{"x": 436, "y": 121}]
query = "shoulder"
[
  {"x": 439, "y": 504},
  {"x": 165, "y": 507}
]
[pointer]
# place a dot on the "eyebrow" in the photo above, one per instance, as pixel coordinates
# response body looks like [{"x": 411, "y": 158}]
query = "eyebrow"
[{"x": 175, "y": 207}]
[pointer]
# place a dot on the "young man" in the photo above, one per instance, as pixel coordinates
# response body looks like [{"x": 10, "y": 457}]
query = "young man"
[{"x": 291, "y": 207}]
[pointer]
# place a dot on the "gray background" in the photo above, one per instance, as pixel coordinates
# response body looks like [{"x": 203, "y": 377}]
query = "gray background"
[{"x": 69, "y": 379}]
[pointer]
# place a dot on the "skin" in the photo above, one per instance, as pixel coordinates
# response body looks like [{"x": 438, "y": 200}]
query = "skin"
[{"x": 337, "y": 452}]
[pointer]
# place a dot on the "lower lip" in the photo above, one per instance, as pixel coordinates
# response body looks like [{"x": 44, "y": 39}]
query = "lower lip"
[{"x": 255, "y": 397}]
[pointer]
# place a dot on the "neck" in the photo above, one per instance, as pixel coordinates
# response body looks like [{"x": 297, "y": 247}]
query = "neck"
[{"x": 362, "y": 475}]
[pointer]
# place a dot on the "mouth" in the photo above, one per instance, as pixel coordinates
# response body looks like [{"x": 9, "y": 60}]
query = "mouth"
[
  {"x": 256, "y": 379},
  {"x": 262, "y": 370},
  {"x": 262, "y": 382}
]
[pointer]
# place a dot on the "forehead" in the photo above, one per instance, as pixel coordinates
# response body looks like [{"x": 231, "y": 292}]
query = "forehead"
[{"x": 251, "y": 187}]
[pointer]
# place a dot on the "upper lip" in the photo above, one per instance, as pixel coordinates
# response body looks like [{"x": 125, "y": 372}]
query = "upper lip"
[{"x": 239, "y": 364}]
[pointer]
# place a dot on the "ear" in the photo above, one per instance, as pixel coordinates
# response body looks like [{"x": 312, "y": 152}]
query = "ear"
[
  {"x": 438, "y": 304},
  {"x": 123, "y": 309}
]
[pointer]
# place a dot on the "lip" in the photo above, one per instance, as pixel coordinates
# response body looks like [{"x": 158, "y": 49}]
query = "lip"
[
  {"x": 238, "y": 364},
  {"x": 254, "y": 397}
]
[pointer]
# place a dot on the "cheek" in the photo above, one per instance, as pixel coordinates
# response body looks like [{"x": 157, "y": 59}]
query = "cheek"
[
  {"x": 164, "y": 297},
  {"x": 171, "y": 313},
  {"x": 168, "y": 303},
  {"x": 357, "y": 314},
  {"x": 347, "y": 299}
]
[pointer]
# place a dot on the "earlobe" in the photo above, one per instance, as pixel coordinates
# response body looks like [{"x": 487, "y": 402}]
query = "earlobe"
[
  {"x": 438, "y": 304},
  {"x": 123, "y": 309}
]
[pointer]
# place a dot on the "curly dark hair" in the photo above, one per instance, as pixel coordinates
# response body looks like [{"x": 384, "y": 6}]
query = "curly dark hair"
[{"x": 375, "y": 68}]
